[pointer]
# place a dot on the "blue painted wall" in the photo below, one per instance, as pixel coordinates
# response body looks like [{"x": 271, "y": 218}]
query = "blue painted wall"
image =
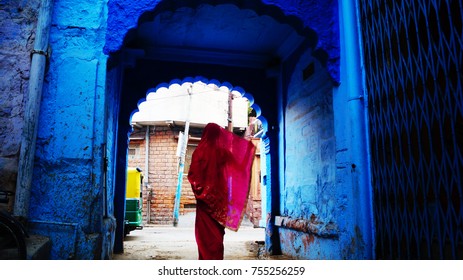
[
  {"x": 325, "y": 188},
  {"x": 324, "y": 132},
  {"x": 304, "y": 123},
  {"x": 67, "y": 193},
  {"x": 316, "y": 140},
  {"x": 309, "y": 188},
  {"x": 87, "y": 103},
  {"x": 319, "y": 16}
]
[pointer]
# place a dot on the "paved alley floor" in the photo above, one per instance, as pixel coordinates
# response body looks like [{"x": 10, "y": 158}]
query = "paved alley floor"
[{"x": 178, "y": 243}]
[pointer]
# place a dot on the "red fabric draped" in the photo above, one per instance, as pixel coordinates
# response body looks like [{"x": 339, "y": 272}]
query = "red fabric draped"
[
  {"x": 220, "y": 174},
  {"x": 209, "y": 235}
]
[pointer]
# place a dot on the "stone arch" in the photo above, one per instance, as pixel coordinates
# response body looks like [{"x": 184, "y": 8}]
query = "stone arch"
[{"x": 316, "y": 20}]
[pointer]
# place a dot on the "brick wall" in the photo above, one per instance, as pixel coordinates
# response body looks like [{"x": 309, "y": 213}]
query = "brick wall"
[{"x": 162, "y": 175}]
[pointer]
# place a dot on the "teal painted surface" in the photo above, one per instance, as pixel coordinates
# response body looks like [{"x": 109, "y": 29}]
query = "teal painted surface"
[
  {"x": 67, "y": 189},
  {"x": 324, "y": 133},
  {"x": 310, "y": 191}
]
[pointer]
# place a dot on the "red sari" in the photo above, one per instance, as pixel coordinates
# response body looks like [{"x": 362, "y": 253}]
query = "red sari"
[{"x": 219, "y": 174}]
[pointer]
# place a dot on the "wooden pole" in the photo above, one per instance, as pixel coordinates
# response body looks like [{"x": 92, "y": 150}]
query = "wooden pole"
[{"x": 32, "y": 110}]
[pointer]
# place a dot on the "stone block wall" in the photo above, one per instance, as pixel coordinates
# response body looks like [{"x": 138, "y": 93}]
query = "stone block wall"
[
  {"x": 18, "y": 20},
  {"x": 68, "y": 185},
  {"x": 67, "y": 190}
]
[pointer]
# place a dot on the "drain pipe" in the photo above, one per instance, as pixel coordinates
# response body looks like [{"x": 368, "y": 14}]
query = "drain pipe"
[
  {"x": 146, "y": 177},
  {"x": 32, "y": 110},
  {"x": 356, "y": 108},
  {"x": 147, "y": 151}
]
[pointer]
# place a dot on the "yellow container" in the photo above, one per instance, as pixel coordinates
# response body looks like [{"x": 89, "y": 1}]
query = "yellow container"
[{"x": 133, "y": 183}]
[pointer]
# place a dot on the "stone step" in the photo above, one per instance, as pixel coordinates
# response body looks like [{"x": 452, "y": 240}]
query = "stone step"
[{"x": 38, "y": 247}]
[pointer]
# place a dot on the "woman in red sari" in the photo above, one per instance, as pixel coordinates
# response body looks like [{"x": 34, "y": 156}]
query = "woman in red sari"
[{"x": 219, "y": 174}]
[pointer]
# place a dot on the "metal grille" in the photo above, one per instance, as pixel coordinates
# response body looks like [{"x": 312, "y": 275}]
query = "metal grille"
[{"x": 413, "y": 61}]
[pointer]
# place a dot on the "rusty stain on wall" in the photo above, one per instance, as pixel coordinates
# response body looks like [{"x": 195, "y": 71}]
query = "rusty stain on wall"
[{"x": 313, "y": 226}]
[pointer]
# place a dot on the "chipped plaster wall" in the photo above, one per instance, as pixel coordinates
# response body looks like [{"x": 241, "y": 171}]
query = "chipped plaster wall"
[
  {"x": 309, "y": 189},
  {"x": 320, "y": 203},
  {"x": 67, "y": 193},
  {"x": 325, "y": 203}
]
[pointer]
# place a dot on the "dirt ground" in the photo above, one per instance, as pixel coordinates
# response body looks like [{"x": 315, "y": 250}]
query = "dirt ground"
[{"x": 178, "y": 243}]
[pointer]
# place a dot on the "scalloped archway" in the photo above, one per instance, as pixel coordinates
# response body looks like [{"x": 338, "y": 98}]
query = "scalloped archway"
[{"x": 164, "y": 108}]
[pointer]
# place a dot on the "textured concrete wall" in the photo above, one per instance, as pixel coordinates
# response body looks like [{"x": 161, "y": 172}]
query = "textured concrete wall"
[
  {"x": 309, "y": 191},
  {"x": 325, "y": 202},
  {"x": 18, "y": 19},
  {"x": 320, "y": 16},
  {"x": 67, "y": 192}
]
